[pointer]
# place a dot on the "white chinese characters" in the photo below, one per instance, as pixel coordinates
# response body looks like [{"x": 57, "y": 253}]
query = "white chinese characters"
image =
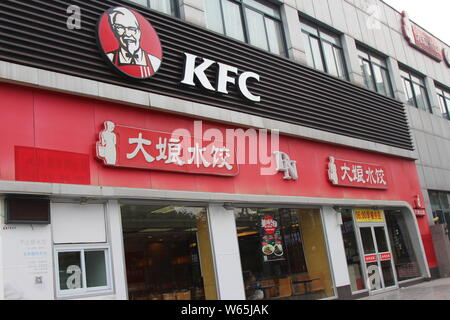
[
  {"x": 130, "y": 147},
  {"x": 349, "y": 173}
]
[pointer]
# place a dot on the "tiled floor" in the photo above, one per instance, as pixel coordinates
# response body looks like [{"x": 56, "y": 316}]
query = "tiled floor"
[{"x": 431, "y": 290}]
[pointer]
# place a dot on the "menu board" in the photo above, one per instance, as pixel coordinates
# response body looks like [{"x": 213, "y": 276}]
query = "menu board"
[{"x": 271, "y": 239}]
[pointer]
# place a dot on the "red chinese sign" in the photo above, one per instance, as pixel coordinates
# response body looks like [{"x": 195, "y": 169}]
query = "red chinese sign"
[
  {"x": 420, "y": 212},
  {"x": 347, "y": 173},
  {"x": 122, "y": 146},
  {"x": 420, "y": 39},
  {"x": 385, "y": 256},
  {"x": 370, "y": 258}
]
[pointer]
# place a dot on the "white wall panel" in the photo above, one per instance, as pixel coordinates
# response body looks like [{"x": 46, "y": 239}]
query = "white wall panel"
[{"x": 76, "y": 223}]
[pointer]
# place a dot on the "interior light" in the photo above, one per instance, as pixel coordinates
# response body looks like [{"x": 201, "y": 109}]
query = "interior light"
[
  {"x": 156, "y": 230},
  {"x": 249, "y": 233}
]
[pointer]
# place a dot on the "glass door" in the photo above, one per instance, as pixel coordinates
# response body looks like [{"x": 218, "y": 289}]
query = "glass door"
[{"x": 378, "y": 264}]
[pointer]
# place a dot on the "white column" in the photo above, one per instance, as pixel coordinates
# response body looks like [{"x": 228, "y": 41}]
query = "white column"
[
  {"x": 431, "y": 91},
  {"x": 225, "y": 247},
  {"x": 293, "y": 32},
  {"x": 397, "y": 82},
  {"x": 117, "y": 250},
  {"x": 351, "y": 60},
  {"x": 336, "y": 247}
]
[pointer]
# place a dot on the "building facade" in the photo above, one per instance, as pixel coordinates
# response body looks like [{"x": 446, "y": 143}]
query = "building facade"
[{"x": 227, "y": 149}]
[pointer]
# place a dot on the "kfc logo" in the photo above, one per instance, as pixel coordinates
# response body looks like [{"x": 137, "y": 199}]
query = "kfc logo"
[{"x": 129, "y": 43}]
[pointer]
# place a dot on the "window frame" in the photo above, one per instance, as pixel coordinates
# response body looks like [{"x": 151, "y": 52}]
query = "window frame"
[
  {"x": 441, "y": 92},
  {"x": 370, "y": 60},
  {"x": 411, "y": 82},
  {"x": 318, "y": 37},
  {"x": 84, "y": 290},
  {"x": 243, "y": 6},
  {"x": 174, "y": 6}
]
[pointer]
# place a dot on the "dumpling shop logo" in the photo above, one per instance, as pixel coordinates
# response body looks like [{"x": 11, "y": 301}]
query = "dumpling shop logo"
[
  {"x": 212, "y": 151},
  {"x": 129, "y": 43}
]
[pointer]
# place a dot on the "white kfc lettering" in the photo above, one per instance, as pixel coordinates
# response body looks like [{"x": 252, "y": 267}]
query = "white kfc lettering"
[{"x": 226, "y": 75}]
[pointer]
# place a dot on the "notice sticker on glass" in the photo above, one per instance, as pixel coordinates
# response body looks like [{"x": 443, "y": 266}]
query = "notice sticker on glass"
[{"x": 271, "y": 240}]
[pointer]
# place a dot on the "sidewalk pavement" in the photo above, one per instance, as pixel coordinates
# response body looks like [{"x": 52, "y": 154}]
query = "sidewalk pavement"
[{"x": 430, "y": 290}]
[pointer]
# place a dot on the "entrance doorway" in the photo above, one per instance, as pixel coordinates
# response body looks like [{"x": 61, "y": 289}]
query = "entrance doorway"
[{"x": 378, "y": 263}]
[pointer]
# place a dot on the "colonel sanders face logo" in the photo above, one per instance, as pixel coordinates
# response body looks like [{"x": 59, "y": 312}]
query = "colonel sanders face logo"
[{"x": 130, "y": 43}]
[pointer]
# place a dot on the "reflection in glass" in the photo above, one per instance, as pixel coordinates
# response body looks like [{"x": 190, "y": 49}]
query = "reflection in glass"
[
  {"x": 380, "y": 236},
  {"x": 367, "y": 72},
  {"x": 168, "y": 253},
  {"x": 367, "y": 240},
  {"x": 283, "y": 254},
  {"x": 255, "y": 27},
  {"x": 95, "y": 269},
  {"x": 402, "y": 248},
  {"x": 213, "y": 14},
  {"x": 352, "y": 251},
  {"x": 233, "y": 20},
  {"x": 388, "y": 274},
  {"x": 329, "y": 58},
  {"x": 275, "y": 36},
  {"x": 70, "y": 274}
]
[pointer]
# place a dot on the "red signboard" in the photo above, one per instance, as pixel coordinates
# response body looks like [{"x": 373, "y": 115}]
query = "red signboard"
[
  {"x": 42, "y": 165},
  {"x": 420, "y": 39},
  {"x": 370, "y": 258},
  {"x": 420, "y": 212},
  {"x": 385, "y": 256},
  {"x": 348, "y": 173},
  {"x": 122, "y": 146}
]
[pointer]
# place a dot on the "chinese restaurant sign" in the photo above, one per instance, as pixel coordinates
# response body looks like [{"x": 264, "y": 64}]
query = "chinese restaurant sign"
[
  {"x": 420, "y": 39},
  {"x": 347, "y": 173},
  {"x": 122, "y": 146},
  {"x": 272, "y": 245},
  {"x": 369, "y": 215}
]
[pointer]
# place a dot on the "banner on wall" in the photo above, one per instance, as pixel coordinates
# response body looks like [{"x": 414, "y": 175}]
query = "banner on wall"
[
  {"x": 271, "y": 239},
  {"x": 128, "y": 147}
]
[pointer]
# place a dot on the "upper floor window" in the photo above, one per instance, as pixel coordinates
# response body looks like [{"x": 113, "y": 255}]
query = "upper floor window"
[
  {"x": 444, "y": 101},
  {"x": 165, "y": 6},
  {"x": 324, "y": 50},
  {"x": 415, "y": 90},
  {"x": 255, "y": 22},
  {"x": 375, "y": 72}
]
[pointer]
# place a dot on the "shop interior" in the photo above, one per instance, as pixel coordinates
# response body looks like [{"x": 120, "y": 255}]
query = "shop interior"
[
  {"x": 283, "y": 254},
  {"x": 167, "y": 253}
]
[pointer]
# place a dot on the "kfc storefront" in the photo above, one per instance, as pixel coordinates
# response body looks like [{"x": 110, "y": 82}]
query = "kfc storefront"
[
  {"x": 190, "y": 184},
  {"x": 162, "y": 213}
]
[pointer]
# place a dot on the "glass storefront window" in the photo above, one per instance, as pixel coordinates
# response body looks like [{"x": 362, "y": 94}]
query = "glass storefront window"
[
  {"x": 352, "y": 251},
  {"x": 283, "y": 254},
  {"x": 405, "y": 259},
  {"x": 168, "y": 253},
  {"x": 82, "y": 270}
]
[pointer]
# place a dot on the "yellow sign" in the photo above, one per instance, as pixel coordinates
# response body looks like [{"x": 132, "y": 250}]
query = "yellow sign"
[{"x": 369, "y": 215}]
